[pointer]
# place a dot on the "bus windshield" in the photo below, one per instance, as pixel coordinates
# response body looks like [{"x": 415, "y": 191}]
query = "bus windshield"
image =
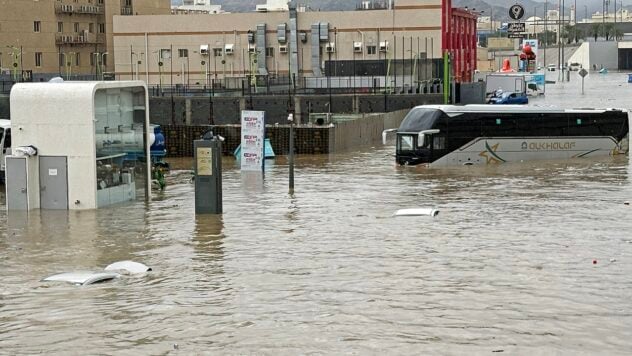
[{"x": 405, "y": 143}]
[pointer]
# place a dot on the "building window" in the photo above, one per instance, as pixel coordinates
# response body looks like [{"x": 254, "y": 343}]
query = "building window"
[
  {"x": 104, "y": 59},
  {"x": 37, "y": 26},
  {"x": 183, "y": 53},
  {"x": 371, "y": 49},
  {"x": 218, "y": 52},
  {"x": 270, "y": 52},
  {"x": 61, "y": 59},
  {"x": 77, "y": 60},
  {"x": 76, "y": 27},
  {"x": 91, "y": 27},
  {"x": 101, "y": 28},
  {"x": 38, "y": 59},
  {"x": 128, "y": 2},
  {"x": 165, "y": 54},
  {"x": 60, "y": 27},
  {"x": 100, "y": 2}
]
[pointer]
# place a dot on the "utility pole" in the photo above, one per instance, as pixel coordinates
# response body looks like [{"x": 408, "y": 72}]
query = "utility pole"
[
  {"x": 559, "y": 38},
  {"x": 563, "y": 61},
  {"x": 546, "y": 34}
]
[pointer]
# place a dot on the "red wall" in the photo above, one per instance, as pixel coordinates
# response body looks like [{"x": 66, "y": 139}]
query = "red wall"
[{"x": 459, "y": 39}]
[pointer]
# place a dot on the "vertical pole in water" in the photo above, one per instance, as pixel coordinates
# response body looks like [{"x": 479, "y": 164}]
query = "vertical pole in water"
[
  {"x": 290, "y": 118},
  {"x": 446, "y": 78},
  {"x": 582, "y": 85}
]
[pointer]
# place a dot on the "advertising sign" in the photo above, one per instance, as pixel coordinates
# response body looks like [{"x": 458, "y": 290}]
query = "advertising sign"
[
  {"x": 514, "y": 27},
  {"x": 252, "y": 154}
]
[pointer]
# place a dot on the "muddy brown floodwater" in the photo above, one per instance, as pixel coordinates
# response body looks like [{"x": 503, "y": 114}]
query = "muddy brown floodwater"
[{"x": 506, "y": 266}]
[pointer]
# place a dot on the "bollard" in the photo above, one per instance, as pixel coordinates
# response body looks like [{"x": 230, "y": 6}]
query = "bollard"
[{"x": 208, "y": 176}]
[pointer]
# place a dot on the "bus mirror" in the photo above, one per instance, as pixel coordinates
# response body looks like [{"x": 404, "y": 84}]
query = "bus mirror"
[{"x": 421, "y": 140}]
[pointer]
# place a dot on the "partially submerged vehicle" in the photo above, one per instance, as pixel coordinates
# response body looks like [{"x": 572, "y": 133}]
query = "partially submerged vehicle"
[
  {"x": 437, "y": 135},
  {"x": 508, "y": 98}
]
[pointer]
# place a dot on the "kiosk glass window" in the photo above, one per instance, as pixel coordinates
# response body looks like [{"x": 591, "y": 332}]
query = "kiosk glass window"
[{"x": 120, "y": 145}]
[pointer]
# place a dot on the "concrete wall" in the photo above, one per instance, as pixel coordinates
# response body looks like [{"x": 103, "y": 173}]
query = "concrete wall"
[
  {"x": 582, "y": 56},
  {"x": 604, "y": 55},
  {"x": 365, "y": 131}
]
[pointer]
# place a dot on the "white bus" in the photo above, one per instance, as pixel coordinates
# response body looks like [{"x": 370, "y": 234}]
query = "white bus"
[{"x": 438, "y": 135}]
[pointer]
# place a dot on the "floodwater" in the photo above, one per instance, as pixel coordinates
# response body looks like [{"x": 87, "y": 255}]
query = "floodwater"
[{"x": 507, "y": 266}]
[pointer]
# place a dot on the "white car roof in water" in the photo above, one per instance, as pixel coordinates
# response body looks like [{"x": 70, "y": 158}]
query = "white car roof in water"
[{"x": 510, "y": 109}]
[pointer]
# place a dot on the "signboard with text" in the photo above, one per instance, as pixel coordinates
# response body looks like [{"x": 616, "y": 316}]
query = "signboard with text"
[
  {"x": 516, "y": 27},
  {"x": 252, "y": 155}
]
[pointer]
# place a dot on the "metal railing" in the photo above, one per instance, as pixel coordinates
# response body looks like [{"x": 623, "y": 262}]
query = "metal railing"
[
  {"x": 266, "y": 85},
  {"x": 79, "y": 9}
]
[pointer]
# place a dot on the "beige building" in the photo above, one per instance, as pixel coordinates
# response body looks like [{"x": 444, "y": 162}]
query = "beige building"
[
  {"x": 195, "y": 49},
  {"x": 48, "y": 37}
]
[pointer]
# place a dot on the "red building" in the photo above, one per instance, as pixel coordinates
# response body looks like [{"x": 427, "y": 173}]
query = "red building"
[{"x": 459, "y": 40}]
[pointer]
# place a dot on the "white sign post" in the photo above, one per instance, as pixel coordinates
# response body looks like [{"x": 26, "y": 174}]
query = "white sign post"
[{"x": 252, "y": 155}]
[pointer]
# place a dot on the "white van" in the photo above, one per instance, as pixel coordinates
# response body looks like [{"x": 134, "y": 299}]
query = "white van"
[{"x": 5, "y": 144}]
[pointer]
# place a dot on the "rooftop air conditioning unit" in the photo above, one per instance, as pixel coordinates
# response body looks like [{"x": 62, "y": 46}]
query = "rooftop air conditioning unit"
[
  {"x": 330, "y": 47},
  {"x": 252, "y": 49},
  {"x": 282, "y": 49},
  {"x": 357, "y": 47},
  {"x": 229, "y": 49},
  {"x": 204, "y": 50},
  {"x": 384, "y": 46}
]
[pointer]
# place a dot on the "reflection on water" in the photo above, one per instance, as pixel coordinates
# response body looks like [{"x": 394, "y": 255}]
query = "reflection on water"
[{"x": 507, "y": 264}]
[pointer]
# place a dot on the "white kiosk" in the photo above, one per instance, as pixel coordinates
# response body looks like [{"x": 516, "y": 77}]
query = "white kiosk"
[{"x": 78, "y": 145}]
